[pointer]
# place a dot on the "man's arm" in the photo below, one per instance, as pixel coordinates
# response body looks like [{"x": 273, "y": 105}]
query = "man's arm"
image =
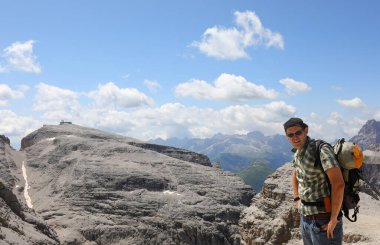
[
  {"x": 295, "y": 186},
  {"x": 337, "y": 189}
]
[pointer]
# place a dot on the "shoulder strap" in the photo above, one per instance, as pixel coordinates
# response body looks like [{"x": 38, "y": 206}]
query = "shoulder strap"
[{"x": 318, "y": 146}]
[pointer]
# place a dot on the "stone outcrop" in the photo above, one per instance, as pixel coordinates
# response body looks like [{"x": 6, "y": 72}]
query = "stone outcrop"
[
  {"x": 271, "y": 219},
  {"x": 177, "y": 153},
  {"x": 18, "y": 223},
  {"x": 371, "y": 174},
  {"x": 99, "y": 188},
  {"x": 4, "y": 140}
]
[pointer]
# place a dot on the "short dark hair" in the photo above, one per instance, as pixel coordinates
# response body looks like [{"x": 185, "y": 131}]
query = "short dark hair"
[{"x": 294, "y": 121}]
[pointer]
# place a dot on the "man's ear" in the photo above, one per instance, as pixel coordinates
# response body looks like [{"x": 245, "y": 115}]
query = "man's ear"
[{"x": 306, "y": 130}]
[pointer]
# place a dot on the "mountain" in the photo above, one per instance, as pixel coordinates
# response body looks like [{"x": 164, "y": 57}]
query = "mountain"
[
  {"x": 255, "y": 174},
  {"x": 238, "y": 153},
  {"x": 93, "y": 187},
  {"x": 252, "y": 146},
  {"x": 368, "y": 136}
]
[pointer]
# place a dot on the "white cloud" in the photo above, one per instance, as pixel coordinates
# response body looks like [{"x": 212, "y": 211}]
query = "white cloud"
[
  {"x": 19, "y": 56},
  {"x": 56, "y": 103},
  {"x": 177, "y": 120},
  {"x": 226, "y": 87},
  {"x": 314, "y": 115},
  {"x": 353, "y": 103},
  {"x": 294, "y": 87},
  {"x": 16, "y": 127},
  {"x": 6, "y": 93},
  {"x": 376, "y": 115},
  {"x": 152, "y": 85},
  {"x": 334, "y": 126},
  {"x": 111, "y": 96},
  {"x": 230, "y": 43}
]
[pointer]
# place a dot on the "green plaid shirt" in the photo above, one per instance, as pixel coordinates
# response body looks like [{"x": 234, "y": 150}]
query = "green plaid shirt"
[{"x": 312, "y": 184}]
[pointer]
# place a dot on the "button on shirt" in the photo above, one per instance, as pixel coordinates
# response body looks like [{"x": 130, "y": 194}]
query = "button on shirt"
[{"x": 312, "y": 181}]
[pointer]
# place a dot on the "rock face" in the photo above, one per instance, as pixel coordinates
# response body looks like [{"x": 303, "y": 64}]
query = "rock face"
[
  {"x": 271, "y": 219},
  {"x": 18, "y": 223},
  {"x": 369, "y": 136},
  {"x": 99, "y": 188},
  {"x": 4, "y": 140},
  {"x": 371, "y": 174},
  {"x": 176, "y": 153}
]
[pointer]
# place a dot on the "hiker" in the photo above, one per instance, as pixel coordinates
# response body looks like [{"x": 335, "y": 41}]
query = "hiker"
[{"x": 318, "y": 202}]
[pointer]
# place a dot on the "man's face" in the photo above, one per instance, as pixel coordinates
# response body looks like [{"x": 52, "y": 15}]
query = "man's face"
[{"x": 297, "y": 136}]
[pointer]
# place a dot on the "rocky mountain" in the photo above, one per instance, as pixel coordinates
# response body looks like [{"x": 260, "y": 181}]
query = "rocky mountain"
[
  {"x": 93, "y": 187},
  {"x": 369, "y": 136}
]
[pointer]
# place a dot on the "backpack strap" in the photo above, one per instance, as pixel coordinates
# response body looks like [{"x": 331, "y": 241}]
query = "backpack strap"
[
  {"x": 317, "y": 152},
  {"x": 354, "y": 216}
]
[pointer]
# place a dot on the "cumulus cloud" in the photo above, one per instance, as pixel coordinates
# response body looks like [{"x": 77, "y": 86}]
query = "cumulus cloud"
[
  {"x": 353, "y": 103},
  {"x": 226, "y": 87},
  {"x": 152, "y": 85},
  {"x": 16, "y": 127},
  {"x": 56, "y": 103},
  {"x": 111, "y": 96},
  {"x": 19, "y": 56},
  {"x": 334, "y": 126},
  {"x": 231, "y": 43},
  {"x": 7, "y": 93},
  {"x": 177, "y": 120},
  {"x": 294, "y": 87}
]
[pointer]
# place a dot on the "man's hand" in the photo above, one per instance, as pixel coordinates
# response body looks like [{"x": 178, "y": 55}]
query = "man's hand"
[
  {"x": 297, "y": 204},
  {"x": 330, "y": 227}
]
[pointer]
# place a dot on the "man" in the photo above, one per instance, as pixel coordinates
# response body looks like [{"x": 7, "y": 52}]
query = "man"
[{"x": 318, "y": 202}]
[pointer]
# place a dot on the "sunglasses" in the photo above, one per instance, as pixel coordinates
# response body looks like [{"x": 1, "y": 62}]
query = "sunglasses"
[{"x": 291, "y": 135}]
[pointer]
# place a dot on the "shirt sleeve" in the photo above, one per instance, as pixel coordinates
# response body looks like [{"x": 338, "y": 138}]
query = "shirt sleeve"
[{"x": 328, "y": 158}]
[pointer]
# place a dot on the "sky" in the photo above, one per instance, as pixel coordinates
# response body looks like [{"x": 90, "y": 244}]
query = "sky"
[{"x": 175, "y": 68}]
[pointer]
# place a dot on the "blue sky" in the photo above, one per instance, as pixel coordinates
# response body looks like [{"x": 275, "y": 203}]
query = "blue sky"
[{"x": 173, "y": 68}]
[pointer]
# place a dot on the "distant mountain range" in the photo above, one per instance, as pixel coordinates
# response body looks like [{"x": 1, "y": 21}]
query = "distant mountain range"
[{"x": 254, "y": 156}]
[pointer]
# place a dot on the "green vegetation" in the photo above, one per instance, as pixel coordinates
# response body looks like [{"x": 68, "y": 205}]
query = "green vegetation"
[
  {"x": 232, "y": 162},
  {"x": 255, "y": 174}
]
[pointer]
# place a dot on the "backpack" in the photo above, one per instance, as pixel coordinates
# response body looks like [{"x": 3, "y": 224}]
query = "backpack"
[{"x": 350, "y": 158}]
